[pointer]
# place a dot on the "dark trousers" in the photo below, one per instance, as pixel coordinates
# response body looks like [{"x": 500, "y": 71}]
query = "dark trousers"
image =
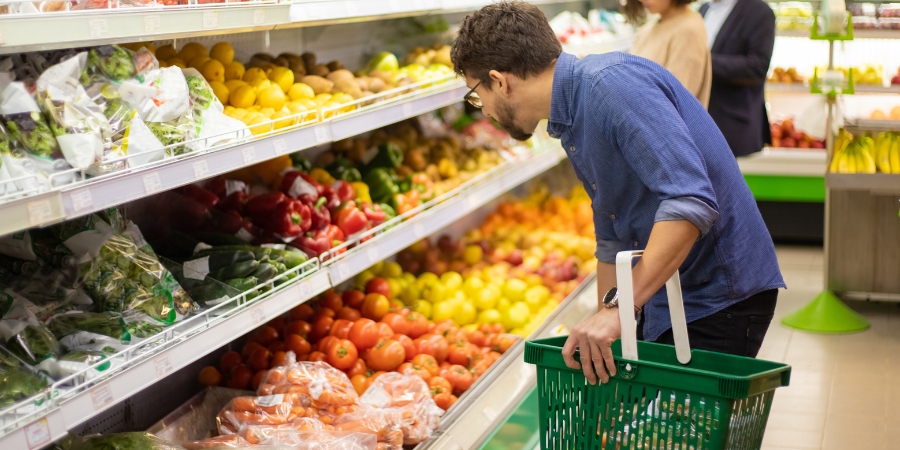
[{"x": 738, "y": 329}]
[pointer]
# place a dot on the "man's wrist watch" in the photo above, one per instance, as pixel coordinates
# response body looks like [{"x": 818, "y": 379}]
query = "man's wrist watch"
[{"x": 611, "y": 300}]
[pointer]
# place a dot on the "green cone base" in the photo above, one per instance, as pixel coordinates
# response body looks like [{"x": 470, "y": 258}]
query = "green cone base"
[{"x": 826, "y": 314}]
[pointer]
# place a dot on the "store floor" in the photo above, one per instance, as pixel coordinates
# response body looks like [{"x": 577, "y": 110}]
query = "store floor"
[{"x": 844, "y": 389}]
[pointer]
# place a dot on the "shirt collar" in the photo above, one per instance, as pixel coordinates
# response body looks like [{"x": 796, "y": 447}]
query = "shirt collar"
[{"x": 563, "y": 89}]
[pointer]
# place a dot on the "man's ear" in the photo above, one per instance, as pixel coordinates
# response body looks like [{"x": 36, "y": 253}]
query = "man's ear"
[{"x": 500, "y": 80}]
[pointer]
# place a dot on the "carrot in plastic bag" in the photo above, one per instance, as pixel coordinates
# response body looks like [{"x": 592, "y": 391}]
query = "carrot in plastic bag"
[{"x": 223, "y": 441}]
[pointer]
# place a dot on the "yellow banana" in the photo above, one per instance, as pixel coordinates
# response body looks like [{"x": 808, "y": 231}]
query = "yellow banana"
[
  {"x": 845, "y": 161},
  {"x": 883, "y": 151},
  {"x": 866, "y": 163},
  {"x": 868, "y": 145},
  {"x": 895, "y": 154}
]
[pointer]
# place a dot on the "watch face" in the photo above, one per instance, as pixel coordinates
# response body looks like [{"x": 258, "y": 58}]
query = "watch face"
[{"x": 611, "y": 296}]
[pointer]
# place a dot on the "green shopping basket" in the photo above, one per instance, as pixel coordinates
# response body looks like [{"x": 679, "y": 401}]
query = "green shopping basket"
[{"x": 670, "y": 398}]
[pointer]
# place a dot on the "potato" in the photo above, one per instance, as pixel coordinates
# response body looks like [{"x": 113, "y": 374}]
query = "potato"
[
  {"x": 288, "y": 55},
  {"x": 298, "y": 68},
  {"x": 347, "y": 87},
  {"x": 320, "y": 70},
  {"x": 318, "y": 84},
  {"x": 362, "y": 82},
  {"x": 340, "y": 74},
  {"x": 376, "y": 85},
  {"x": 335, "y": 65},
  {"x": 384, "y": 76}
]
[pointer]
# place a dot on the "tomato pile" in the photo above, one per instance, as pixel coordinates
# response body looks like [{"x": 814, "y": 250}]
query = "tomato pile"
[{"x": 365, "y": 333}]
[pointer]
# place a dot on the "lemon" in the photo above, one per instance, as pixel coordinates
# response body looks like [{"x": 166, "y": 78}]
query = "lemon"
[
  {"x": 234, "y": 71},
  {"x": 194, "y": 49},
  {"x": 261, "y": 128},
  {"x": 516, "y": 316},
  {"x": 488, "y": 316},
  {"x": 514, "y": 289},
  {"x": 243, "y": 97},
  {"x": 503, "y": 304},
  {"x": 232, "y": 85},
  {"x": 271, "y": 97},
  {"x": 198, "y": 62},
  {"x": 284, "y": 122},
  {"x": 296, "y": 107},
  {"x": 253, "y": 73},
  {"x": 268, "y": 112},
  {"x": 213, "y": 70},
  {"x": 177, "y": 62},
  {"x": 239, "y": 113},
  {"x": 424, "y": 308},
  {"x": 473, "y": 285},
  {"x": 377, "y": 268},
  {"x": 535, "y": 297},
  {"x": 434, "y": 292},
  {"x": 452, "y": 281},
  {"x": 472, "y": 254},
  {"x": 220, "y": 90},
  {"x": 283, "y": 77},
  {"x": 166, "y": 52},
  {"x": 223, "y": 52},
  {"x": 308, "y": 103},
  {"x": 465, "y": 313},
  {"x": 322, "y": 99},
  {"x": 392, "y": 270},
  {"x": 426, "y": 279},
  {"x": 410, "y": 293},
  {"x": 300, "y": 90},
  {"x": 444, "y": 310},
  {"x": 395, "y": 286},
  {"x": 261, "y": 84}
]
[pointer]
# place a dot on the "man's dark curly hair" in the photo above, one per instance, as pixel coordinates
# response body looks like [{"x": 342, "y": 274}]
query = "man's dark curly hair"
[{"x": 509, "y": 36}]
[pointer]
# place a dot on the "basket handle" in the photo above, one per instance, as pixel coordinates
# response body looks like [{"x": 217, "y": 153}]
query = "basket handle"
[{"x": 626, "y": 310}]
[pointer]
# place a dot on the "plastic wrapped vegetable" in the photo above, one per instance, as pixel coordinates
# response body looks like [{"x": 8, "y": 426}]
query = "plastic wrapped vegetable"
[
  {"x": 85, "y": 330},
  {"x": 221, "y": 441},
  {"x": 212, "y": 124},
  {"x": 258, "y": 434},
  {"x": 79, "y": 124},
  {"x": 113, "y": 61},
  {"x": 18, "y": 382},
  {"x": 162, "y": 100},
  {"x": 27, "y": 126},
  {"x": 323, "y": 391},
  {"x": 77, "y": 362},
  {"x": 407, "y": 401},
  {"x": 23, "y": 334},
  {"x": 121, "y": 441}
]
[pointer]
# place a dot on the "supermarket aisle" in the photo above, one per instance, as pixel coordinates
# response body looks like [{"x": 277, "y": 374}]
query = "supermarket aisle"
[{"x": 843, "y": 390}]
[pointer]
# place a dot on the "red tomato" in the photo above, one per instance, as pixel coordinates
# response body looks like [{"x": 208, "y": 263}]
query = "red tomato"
[
  {"x": 476, "y": 337},
  {"x": 228, "y": 361},
  {"x": 358, "y": 368},
  {"x": 360, "y": 383},
  {"x": 348, "y": 313},
  {"x": 375, "y": 306},
  {"x": 277, "y": 346},
  {"x": 265, "y": 335},
  {"x": 340, "y": 328},
  {"x": 384, "y": 330},
  {"x": 500, "y": 342},
  {"x": 441, "y": 347},
  {"x": 279, "y": 359},
  {"x": 444, "y": 400},
  {"x": 481, "y": 367},
  {"x": 331, "y": 300},
  {"x": 408, "y": 346},
  {"x": 491, "y": 328},
  {"x": 409, "y": 368},
  {"x": 240, "y": 378},
  {"x": 386, "y": 355},
  {"x": 364, "y": 334},
  {"x": 299, "y": 327},
  {"x": 459, "y": 377},
  {"x": 439, "y": 385},
  {"x": 297, "y": 344},
  {"x": 418, "y": 324},
  {"x": 395, "y": 305},
  {"x": 323, "y": 312},
  {"x": 317, "y": 356},
  {"x": 354, "y": 298},
  {"x": 257, "y": 378},
  {"x": 342, "y": 354},
  {"x": 249, "y": 348},
  {"x": 326, "y": 341},
  {"x": 460, "y": 354},
  {"x": 260, "y": 359},
  {"x": 428, "y": 363},
  {"x": 379, "y": 285},
  {"x": 441, "y": 327},
  {"x": 321, "y": 328},
  {"x": 397, "y": 321},
  {"x": 301, "y": 312},
  {"x": 278, "y": 323}
]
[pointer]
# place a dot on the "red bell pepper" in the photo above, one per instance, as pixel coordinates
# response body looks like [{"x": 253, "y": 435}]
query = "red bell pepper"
[
  {"x": 344, "y": 190},
  {"x": 332, "y": 200},
  {"x": 321, "y": 217},
  {"x": 289, "y": 218},
  {"x": 234, "y": 201},
  {"x": 374, "y": 213},
  {"x": 299, "y": 185},
  {"x": 351, "y": 220},
  {"x": 228, "y": 222},
  {"x": 223, "y": 188},
  {"x": 203, "y": 196},
  {"x": 262, "y": 205},
  {"x": 312, "y": 245}
]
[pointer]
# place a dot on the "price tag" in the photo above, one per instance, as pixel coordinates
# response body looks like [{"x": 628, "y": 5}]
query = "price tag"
[
  {"x": 210, "y": 20},
  {"x": 257, "y": 315},
  {"x": 322, "y": 134},
  {"x": 163, "y": 366},
  {"x": 305, "y": 288},
  {"x": 99, "y": 28},
  {"x": 37, "y": 434},
  {"x": 373, "y": 254},
  {"x": 101, "y": 396},
  {"x": 249, "y": 154},
  {"x": 152, "y": 24},
  {"x": 201, "y": 169},
  {"x": 489, "y": 413},
  {"x": 152, "y": 183},
  {"x": 407, "y": 109},
  {"x": 39, "y": 212},
  {"x": 343, "y": 270},
  {"x": 419, "y": 230},
  {"x": 82, "y": 200},
  {"x": 259, "y": 16},
  {"x": 280, "y": 146}
]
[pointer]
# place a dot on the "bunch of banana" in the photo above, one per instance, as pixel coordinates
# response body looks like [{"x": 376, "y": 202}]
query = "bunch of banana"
[
  {"x": 887, "y": 152},
  {"x": 857, "y": 155}
]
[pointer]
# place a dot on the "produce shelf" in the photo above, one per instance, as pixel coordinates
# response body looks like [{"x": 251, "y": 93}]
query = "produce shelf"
[
  {"x": 470, "y": 423},
  {"x": 143, "y": 365},
  {"x": 784, "y": 161},
  {"x": 859, "y": 125},
  {"x": 875, "y": 182},
  {"x": 94, "y": 194},
  {"x": 857, "y": 34},
  {"x": 801, "y": 88},
  {"x": 596, "y": 48}
]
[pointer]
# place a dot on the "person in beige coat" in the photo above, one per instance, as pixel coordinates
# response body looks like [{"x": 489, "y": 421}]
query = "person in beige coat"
[{"x": 676, "y": 40}]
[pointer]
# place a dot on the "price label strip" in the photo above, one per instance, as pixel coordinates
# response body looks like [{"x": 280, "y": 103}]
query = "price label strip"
[
  {"x": 37, "y": 434},
  {"x": 152, "y": 24},
  {"x": 99, "y": 28},
  {"x": 210, "y": 20},
  {"x": 322, "y": 134},
  {"x": 259, "y": 16},
  {"x": 201, "y": 169},
  {"x": 163, "y": 366},
  {"x": 419, "y": 230},
  {"x": 101, "y": 396},
  {"x": 82, "y": 200},
  {"x": 407, "y": 109},
  {"x": 249, "y": 154},
  {"x": 280, "y": 146},
  {"x": 343, "y": 270},
  {"x": 152, "y": 183},
  {"x": 39, "y": 212},
  {"x": 258, "y": 315},
  {"x": 373, "y": 254}
]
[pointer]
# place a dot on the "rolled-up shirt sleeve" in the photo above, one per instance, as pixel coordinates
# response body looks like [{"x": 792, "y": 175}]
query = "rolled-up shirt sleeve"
[
  {"x": 607, "y": 250},
  {"x": 657, "y": 145}
]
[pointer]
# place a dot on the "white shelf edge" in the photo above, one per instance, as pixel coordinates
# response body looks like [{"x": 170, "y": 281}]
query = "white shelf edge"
[
  {"x": 802, "y": 88},
  {"x": 857, "y": 33},
  {"x": 787, "y": 162}
]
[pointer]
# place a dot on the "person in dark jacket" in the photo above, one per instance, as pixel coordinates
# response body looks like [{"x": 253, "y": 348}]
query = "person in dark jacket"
[{"x": 741, "y": 35}]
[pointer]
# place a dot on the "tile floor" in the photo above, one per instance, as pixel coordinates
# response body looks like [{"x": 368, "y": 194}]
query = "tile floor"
[{"x": 844, "y": 393}]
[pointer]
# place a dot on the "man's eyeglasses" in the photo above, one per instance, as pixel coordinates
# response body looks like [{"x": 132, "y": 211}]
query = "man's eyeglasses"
[{"x": 473, "y": 98}]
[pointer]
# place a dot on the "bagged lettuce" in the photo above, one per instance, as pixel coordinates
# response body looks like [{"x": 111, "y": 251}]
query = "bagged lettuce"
[
  {"x": 162, "y": 100},
  {"x": 212, "y": 125},
  {"x": 28, "y": 128},
  {"x": 23, "y": 334},
  {"x": 17, "y": 381},
  {"x": 78, "y": 361}
]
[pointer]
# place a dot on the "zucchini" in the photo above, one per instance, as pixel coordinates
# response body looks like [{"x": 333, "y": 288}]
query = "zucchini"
[
  {"x": 236, "y": 270},
  {"x": 242, "y": 284},
  {"x": 265, "y": 272},
  {"x": 208, "y": 292}
]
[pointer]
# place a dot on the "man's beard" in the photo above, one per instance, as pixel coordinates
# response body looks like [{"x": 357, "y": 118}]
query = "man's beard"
[{"x": 505, "y": 118}]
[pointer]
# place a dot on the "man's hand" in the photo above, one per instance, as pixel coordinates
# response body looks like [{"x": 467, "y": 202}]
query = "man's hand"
[{"x": 593, "y": 338}]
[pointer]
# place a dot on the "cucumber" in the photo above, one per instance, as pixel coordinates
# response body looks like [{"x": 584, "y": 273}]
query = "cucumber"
[
  {"x": 242, "y": 284},
  {"x": 208, "y": 292},
  {"x": 220, "y": 260},
  {"x": 236, "y": 270},
  {"x": 265, "y": 272}
]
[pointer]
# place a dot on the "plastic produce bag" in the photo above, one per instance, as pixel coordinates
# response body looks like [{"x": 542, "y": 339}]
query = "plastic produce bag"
[
  {"x": 162, "y": 100},
  {"x": 276, "y": 409},
  {"x": 90, "y": 331},
  {"x": 120, "y": 441},
  {"x": 212, "y": 125},
  {"x": 257, "y": 434},
  {"x": 114, "y": 62},
  {"x": 23, "y": 334},
  {"x": 17, "y": 381},
  {"x": 79, "y": 361},
  {"x": 384, "y": 424},
  {"x": 28, "y": 127},
  {"x": 407, "y": 398},
  {"x": 207, "y": 291},
  {"x": 322, "y": 390},
  {"x": 79, "y": 124},
  {"x": 222, "y": 441},
  {"x": 321, "y": 440}
]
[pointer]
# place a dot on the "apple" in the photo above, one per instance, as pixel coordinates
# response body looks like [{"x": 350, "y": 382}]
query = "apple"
[
  {"x": 802, "y": 144},
  {"x": 788, "y": 142},
  {"x": 515, "y": 257},
  {"x": 787, "y": 127},
  {"x": 895, "y": 79},
  {"x": 797, "y": 135},
  {"x": 775, "y": 129},
  {"x": 817, "y": 144},
  {"x": 776, "y": 142}
]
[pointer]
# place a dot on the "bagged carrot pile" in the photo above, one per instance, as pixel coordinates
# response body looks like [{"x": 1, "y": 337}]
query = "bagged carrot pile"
[{"x": 320, "y": 390}]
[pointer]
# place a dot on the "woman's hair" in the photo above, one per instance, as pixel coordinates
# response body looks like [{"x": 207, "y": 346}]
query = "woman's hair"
[
  {"x": 636, "y": 14},
  {"x": 506, "y": 36}
]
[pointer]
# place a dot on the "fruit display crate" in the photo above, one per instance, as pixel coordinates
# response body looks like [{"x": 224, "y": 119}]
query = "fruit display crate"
[
  {"x": 29, "y": 209},
  {"x": 76, "y": 399}
]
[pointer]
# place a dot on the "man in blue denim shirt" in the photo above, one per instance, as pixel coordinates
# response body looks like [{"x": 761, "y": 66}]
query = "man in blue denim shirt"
[{"x": 659, "y": 172}]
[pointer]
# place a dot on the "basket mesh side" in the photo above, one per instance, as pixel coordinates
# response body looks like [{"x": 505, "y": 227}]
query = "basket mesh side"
[{"x": 627, "y": 415}]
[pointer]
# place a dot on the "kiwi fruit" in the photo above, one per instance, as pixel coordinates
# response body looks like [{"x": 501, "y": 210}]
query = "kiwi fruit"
[
  {"x": 340, "y": 74},
  {"x": 320, "y": 70},
  {"x": 283, "y": 62},
  {"x": 288, "y": 55},
  {"x": 318, "y": 84},
  {"x": 309, "y": 59},
  {"x": 298, "y": 68},
  {"x": 335, "y": 65},
  {"x": 264, "y": 57}
]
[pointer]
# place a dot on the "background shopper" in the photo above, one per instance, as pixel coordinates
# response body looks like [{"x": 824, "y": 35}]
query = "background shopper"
[
  {"x": 741, "y": 36},
  {"x": 675, "y": 40}
]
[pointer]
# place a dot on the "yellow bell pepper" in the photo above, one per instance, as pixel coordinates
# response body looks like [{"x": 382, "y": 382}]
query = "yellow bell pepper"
[
  {"x": 362, "y": 191},
  {"x": 322, "y": 176},
  {"x": 267, "y": 171}
]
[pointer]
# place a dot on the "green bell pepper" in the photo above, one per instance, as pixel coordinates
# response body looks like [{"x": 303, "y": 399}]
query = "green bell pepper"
[
  {"x": 343, "y": 169},
  {"x": 382, "y": 186},
  {"x": 389, "y": 155}
]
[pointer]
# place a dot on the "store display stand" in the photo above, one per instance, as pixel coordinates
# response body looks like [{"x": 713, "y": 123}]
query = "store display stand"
[{"x": 827, "y": 313}]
